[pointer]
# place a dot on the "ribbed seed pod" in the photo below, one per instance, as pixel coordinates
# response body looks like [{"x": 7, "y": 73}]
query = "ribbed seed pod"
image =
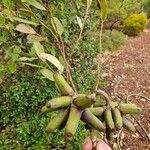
[
  {"x": 97, "y": 111},
  {"x": 128, "y": 125},
  {"x": 57, "y": 121},
  {"x": 59, "y": 102},
  {"x": 129, "y": 109},
  {"x": 92, "y": 120},
  {"x": 108, "y": 119},
  {"x": 64, "y": 88},
  {"x": 117, "y": 118},
  {"x": 72, "y": 122},
  {"x": 83, "y": 101}
]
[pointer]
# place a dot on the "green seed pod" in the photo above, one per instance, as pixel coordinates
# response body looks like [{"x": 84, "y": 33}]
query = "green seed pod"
[
  {"x": 129, "y": 109},
  {"x": 117, "y": 118},
  {"x": 83, "y": 101},
  {"x": 59, "y": 102},
  {"x": 98, "y": 111},
  {"x": 108, "y": 119},
  {"x": 45, "y": 109},
  {"x": 92, "y": 120},
  {"x": 128, "y": 125},
  {"x": 72, "y": 122},
  {"x": 62, "y": 85},
  {"x": 57, "y": 121}
]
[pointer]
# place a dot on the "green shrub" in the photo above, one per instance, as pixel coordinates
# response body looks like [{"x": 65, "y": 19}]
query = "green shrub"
[
  {"x": 23, "y": 127},
  {"x": 112, "y": 40},
  {"x": 147, "y": 7},
  {"x": 134, "y": 24}
]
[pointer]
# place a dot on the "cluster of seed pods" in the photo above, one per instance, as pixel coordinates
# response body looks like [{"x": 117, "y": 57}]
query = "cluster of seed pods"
[{"x": 73, "y": 108}]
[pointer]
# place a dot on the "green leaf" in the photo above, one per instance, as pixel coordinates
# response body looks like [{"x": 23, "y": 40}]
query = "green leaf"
[
  {"x": 47, "y": 74},
  {"x": 25, "y": 29},
  {"x": 24, "y": 21},
  {"x": 89, "y": 2},
  {"x": 36, "y": 4},
  {"x": 31, "y": 38},
  {"x": 38, "y": 49},
  {"x": 103, "y": 6},
  {"x": 57, "y": 26},
  {"x": 2, "y": 21},
  {"x": 79, "y": 22},
  {"x": 27, "y": 59},
  {"x": 53, "y": 60},
  {"x": 7, "y": 3},
  {"x": 12, "y": 67}
]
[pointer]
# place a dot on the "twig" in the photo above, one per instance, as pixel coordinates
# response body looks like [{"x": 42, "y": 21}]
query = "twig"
[
  {"x": 141, "y": 127},
  {"x": 103, "y": 93},
  {"x": 62, "y": 51},
  {"x": 146, "y": 98},
  {"x": 44, "y": 25},
  {"x": 100, "y": 50},
  {"x": 118, "y": 138},
  {"x": 83, "y": 24},
  {"x": 67, "y": 66}
]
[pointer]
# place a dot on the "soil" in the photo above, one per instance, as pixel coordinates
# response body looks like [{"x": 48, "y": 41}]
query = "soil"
[{"x": 128, "y": 70}]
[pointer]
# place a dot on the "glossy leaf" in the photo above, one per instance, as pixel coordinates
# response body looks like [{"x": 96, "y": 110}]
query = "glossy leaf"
[
  {"x": 24, "y": 21},
  {"x": 47, "y": 74},
  {"x": 53, "y": 60},
  {"x": 79, "y": 22},
  {"x": 38, "y": 49},
  {"x": 25, "y": 29},
  {"x": 57, "y": 26},
  {"x": 36, "y": 4}
]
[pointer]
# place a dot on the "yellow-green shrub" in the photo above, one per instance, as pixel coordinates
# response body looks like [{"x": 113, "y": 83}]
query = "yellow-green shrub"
[{"x": 134, "y": 24}]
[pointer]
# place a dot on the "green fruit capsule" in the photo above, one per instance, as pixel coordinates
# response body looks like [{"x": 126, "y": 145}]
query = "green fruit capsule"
[
  {"x": 62, "y": 85},
  {"x": 59, "y": 102},
  {"x": 108, "y": 119},
  {"x": 83, "y": 101},
  {"x": 129, "y": 109},
  {"x": 72, "y": 122},
  {"x": 117, "y": 118},
  {"x": 128, "y": 125},
  {"x": 92, "y": 120},
  {"x": 98, "y": 111},
  {"x": 57, "y": 121}
]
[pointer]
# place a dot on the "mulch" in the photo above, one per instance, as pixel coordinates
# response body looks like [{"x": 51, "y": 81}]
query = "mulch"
[{"x": 129, "y": 69}]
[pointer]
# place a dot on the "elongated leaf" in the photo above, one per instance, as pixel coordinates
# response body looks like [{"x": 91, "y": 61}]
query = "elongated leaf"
[
  {"x": 89, "y": 2},
  {"x": 47, "y": 74},
  {"x": 57, "y": 25},
  {"x": 25, "y": 29},
  {"x": 103, "y": 6},
  {"x": 27, "y": 59},
  {"x": 36, "y": 4},
  {"x": 31, "y": 38},
  {"x": 38, "y": 49},
  {"x": 53, "y": 60},
  {"x": 24, "y": 21},
  {"x": 79, "y": 22}
]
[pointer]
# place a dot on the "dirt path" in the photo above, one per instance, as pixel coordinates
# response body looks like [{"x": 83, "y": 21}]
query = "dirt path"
[{"x": 131, "y": 66}]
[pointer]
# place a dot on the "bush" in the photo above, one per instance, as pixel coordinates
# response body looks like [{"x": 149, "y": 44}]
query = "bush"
[
  {"x": 134, "y": 24},
  {"x": 112, "y": 40},
  {"x": 147, "y": 7}
]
